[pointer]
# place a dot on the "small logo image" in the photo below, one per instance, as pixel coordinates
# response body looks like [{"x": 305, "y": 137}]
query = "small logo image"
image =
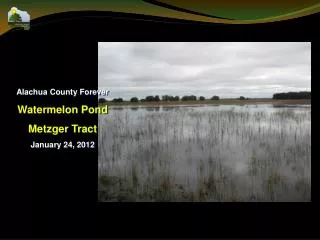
[{"x": 18, "y": 18}]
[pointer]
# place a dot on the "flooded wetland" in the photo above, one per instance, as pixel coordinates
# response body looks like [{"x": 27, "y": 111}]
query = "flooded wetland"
[{"x": 208, "y": 153}]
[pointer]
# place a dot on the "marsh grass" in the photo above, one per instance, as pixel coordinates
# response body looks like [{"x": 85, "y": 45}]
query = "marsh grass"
[{"x": 185, "y": 154}]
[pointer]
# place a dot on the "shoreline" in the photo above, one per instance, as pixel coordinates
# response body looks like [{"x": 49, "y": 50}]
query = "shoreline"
[{"x": 211, "y": 102}]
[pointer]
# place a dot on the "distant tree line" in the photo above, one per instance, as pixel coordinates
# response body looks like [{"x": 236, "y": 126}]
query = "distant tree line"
[
  {"x": 292, "y": 95},
  {"x": 165, "y": 98},
  {"x": 134, "y": 99},
  {"x": 243, "y": 98},
  {"x": 215, "y": 98},
  {"x": 152, "y": 98},
  {"x": 117, "y": 100},
  {"x": 170, "y": 98},
  {"x": 189, "y": 98}
]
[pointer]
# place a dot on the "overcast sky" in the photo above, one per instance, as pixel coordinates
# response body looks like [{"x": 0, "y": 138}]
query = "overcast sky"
[{"x": 204, "y": 69}]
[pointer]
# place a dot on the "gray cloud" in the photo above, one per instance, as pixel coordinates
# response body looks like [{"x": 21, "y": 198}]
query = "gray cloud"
[{"x": 251, "y": 69}]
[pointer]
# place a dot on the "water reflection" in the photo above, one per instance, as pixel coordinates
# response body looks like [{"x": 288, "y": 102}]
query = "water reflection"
[
  {"x": 251, "y": 152},
  {"x": 291, "y": 106}
]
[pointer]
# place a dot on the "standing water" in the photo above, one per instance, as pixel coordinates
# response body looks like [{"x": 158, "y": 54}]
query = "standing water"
[{"x": 205, "y": 153}]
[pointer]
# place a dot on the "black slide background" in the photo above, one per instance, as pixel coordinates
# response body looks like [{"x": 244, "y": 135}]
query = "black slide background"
[{"x": 54, "y": 193}]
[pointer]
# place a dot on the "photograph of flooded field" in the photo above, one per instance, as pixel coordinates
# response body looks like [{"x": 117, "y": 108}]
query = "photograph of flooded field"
[{"x": 204, "y": 122}]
